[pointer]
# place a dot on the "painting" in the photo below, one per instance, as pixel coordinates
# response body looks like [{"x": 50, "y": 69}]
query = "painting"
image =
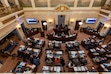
[{"x": 69, "y": 3}]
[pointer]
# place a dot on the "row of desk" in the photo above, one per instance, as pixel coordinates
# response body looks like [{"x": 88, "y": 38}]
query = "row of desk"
[
  {"x": 71, "y": 37},
  {"x": 92, "y": 32},
  {"x": 24, "y": 67}
]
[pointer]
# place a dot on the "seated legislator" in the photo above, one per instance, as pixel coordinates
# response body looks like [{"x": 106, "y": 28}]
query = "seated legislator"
[
  {"x": 62, "y": 62},
  {"x": 35, "y": 60},
  {"x": 49, "y": 61},
  {"x": 57, "y": 60},
  {"x": 70, "y": 64}
]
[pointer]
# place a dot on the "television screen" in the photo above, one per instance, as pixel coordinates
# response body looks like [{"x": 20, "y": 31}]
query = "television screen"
[
  {"x": 31, "y": 21},
  {"x": 90, "y": 20}
]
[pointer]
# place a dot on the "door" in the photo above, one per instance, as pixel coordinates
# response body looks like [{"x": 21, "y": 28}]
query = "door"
[
  {"x": 61, "y": 19},
  {"x": 77, "y": 25},
  {"x": 44, "y": 25},
  {"x": 100, "y": 26},
  {"x": 16, "y": 33},
  {"x": 23, "y": 27},
  {"x": 109, "y": 32}
]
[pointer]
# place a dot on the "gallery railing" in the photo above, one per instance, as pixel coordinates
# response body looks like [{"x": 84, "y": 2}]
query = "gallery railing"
[{"x": 8, "y": 10}]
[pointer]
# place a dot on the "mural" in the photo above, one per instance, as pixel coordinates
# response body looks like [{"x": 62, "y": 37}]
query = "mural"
[
  {"x": 54, "y": 3},
  {"x": 83, "y": 3},
  {"x": 99, "y": 3},
  {"x": 25, "y": 3},
  {"x": 41, "y": 3}
]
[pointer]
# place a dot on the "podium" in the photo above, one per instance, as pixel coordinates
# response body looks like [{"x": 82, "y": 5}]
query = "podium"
[{"x": 42, "y": 34}]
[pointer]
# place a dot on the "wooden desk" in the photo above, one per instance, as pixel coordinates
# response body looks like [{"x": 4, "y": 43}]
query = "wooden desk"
[
  {"x": 23, "y": 67},
  {"x": 47, "y": 69},
  {"x": 91, "y": 32},
  {"x": 63, "y": 39},
  {"x": 80, "y": 69}
]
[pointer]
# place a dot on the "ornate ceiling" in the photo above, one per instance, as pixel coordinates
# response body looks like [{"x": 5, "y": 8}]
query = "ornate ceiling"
[{"x": 54, "y": 3}]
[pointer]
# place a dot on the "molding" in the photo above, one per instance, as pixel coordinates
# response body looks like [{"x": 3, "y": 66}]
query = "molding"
[
  {"x": 107, "y": 11},
  {"x": 10, "y": 15},
  {"x": 71, "y": 9}
]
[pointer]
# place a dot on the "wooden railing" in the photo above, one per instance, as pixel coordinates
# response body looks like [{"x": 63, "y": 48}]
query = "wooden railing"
[
  {"x": 8, "y": 10},
  {"x": 106, "y": 7},
  {"x": 3, "y": 11}
]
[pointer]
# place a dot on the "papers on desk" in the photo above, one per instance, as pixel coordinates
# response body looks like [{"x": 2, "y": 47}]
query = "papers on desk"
[
  {"x": 57, "y": 69},
  {"x": 22, "y": 63},
  {"x": 59, "y": 52},
  {"x": 40, "y": 42},
  {"x": 50, "y": 55},
  {"x": 29, "y": 49},
  {"x": 29, "y": 43},
  {"x": 22, "y": 46},
  {"x": 48, "y": 51},
  {"x": 73, "y": 52},
  {"x": 45, "y": 68},
  {"x": 103, "y": 46},
  {"x": 81, "y": 52},
  {"x": 31, "y": 66},
  {"x": 36, "y": 50},
  {"x": 36, "y": 38},
  {"x": 73, "y": 56},
  {"x": 80, "y": 68},
  {"x": 97, "y": 48},
  {"x": 45, "y": 72},
  {"x": 95, "y": 53},
  {"x": 75, "y": 69},
  {"x": 86, "y": 68},
  {"x": 92, "y": 50},
  {"x": 27, "y": 72}
]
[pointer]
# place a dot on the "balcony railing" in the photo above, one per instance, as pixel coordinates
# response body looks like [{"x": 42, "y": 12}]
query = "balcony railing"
[
  {"x": 8, "y": 10},
  {"x": 107, "y": 7}
]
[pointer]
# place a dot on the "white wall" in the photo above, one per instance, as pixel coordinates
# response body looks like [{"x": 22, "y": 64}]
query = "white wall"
[{"x": 80, "y": 14}]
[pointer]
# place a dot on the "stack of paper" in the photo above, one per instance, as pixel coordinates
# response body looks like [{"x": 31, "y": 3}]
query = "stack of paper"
[
  {"x": 59, "y": 52},
  {"x": 57, "y": 69}
]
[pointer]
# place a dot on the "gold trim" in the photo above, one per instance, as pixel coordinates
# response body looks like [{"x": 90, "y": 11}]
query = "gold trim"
[{"x": 62, "y": 8}]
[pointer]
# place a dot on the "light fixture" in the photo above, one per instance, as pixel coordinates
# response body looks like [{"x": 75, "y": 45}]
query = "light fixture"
[
  {"x": 50, "y": 21},
  {"x": 80, "y": 23},
  {"x": 71, "y": 21},
  {"x": 45, "y": 23},
  {"x": 18, "y": 26}
]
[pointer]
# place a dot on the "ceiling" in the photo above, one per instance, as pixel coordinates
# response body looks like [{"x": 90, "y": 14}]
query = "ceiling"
[{"x": 54, "y": 3}]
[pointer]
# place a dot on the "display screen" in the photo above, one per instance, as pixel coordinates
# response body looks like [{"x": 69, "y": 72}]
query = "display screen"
[
  {"x": 90, "y": 20},
  {"x": 31, "y": 21}
]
